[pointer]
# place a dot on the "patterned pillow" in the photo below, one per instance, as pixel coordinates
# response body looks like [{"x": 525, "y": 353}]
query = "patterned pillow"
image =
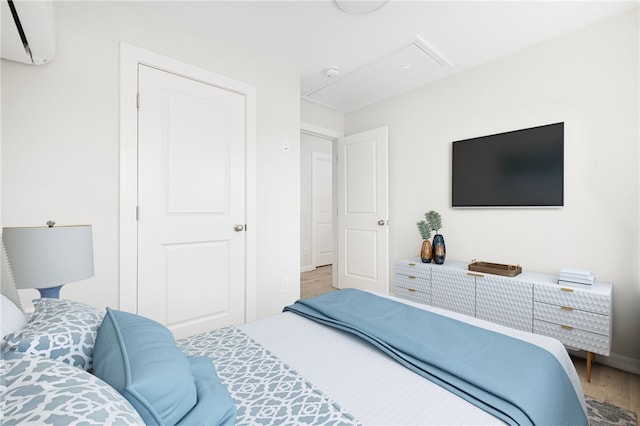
[
  {"x": 39, "y": 390},
  {"x": 60, "y": 329},
  {"x": 13, "y": 319}
]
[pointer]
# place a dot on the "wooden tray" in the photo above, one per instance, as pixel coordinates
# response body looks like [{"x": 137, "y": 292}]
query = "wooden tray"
[{"x": 495, "y": 268}]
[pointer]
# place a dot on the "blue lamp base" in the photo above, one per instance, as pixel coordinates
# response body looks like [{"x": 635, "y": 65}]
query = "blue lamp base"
[{"x": 51, "y": 292}]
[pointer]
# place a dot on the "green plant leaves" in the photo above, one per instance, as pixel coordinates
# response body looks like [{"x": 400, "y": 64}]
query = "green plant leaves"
[
  {"x": 425, "y": 230},
  {"x": 434, "y": 220}
]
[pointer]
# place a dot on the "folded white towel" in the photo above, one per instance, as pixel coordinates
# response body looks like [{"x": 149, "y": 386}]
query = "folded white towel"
[{"x": 576, "y": 271}]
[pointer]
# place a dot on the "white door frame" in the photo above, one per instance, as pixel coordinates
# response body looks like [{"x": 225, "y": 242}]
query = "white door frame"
[
  {"x": 130, "y": 57},
  {"x": 331, "y": 135}
]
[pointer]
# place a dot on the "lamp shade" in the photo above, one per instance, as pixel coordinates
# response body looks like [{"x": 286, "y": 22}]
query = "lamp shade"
[{"x": 43, "y": 257}]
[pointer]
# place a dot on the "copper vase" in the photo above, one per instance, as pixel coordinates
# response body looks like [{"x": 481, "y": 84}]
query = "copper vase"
[{"x": 425, "y": 251}]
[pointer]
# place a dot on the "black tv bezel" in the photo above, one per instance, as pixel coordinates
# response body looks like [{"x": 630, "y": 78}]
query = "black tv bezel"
[{"x": 480, "y": 139}]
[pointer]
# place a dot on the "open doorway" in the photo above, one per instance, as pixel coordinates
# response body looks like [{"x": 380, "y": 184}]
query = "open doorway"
[
  {"x": 316, "y": 202},
  {"x": 317, "y": 209},
  {"x": 359, "y": 230}
]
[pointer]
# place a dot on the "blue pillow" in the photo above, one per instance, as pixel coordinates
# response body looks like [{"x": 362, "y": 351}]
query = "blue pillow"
[
  {"x": 215, "y": 406},
  {"x": 140, "y": 359}
]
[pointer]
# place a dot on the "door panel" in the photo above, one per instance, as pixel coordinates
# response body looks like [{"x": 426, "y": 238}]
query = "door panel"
[
  {"x": 360, "y": 173},
  {"x": 196, "y": 183},
  {"x": 196, "y": 266},
  {"x": 362, "y": 259},
  {"x": 191, "y": 186},
  {"x": 363, "y": 233}
]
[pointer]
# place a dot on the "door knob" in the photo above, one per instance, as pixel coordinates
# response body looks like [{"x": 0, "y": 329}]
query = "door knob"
[
  {"x": 238, "y": 228},
  {"x": 381, "y": 222}
]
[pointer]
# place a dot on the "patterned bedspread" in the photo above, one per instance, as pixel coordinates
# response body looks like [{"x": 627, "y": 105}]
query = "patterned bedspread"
[{"x": 265, "y": 389}]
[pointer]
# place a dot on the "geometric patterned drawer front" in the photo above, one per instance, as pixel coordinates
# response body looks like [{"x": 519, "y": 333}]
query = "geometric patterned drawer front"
[
  {"x": 574, "y": 338},
  {"x": 453, "y": 290},
  {"x": 505, "y": 302},
  {"x": 575, "y": 298},
  {"x": 588, "y": 321},
  {"x": 414, "y": 269},
  {"x": 413, "y": 295},
  {"x": 413, "y": 283}
]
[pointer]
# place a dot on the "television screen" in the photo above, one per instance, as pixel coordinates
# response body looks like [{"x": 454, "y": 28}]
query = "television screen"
[{"x": 523, "y": 168}]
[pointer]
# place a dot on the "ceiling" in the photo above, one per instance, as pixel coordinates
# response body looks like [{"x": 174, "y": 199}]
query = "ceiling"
[{"x": 399, "y": 46}]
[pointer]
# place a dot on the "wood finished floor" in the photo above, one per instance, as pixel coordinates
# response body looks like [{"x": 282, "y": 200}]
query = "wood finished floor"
[{"x": 607, "y": 384}]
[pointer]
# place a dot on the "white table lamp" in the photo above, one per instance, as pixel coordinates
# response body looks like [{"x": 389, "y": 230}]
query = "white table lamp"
[{"x": 46, "y": 258}]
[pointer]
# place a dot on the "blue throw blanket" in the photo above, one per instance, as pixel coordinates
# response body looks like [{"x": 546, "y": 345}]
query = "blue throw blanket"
[{"x": 516, "y": 381}]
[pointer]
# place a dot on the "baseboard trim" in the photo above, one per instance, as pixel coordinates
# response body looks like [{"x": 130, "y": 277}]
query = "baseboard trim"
[{"x": 621, "y": 362}]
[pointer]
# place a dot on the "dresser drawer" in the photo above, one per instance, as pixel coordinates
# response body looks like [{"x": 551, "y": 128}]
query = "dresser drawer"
[
  {"x": 574, "y": 338},
  {"x": 413, "y": 269},
  {"x": 589, "y": 321},
  {"x": 413, "y": 283},
  {"x": 573, "y": 298},
  {"x": 413, "y": 295}
]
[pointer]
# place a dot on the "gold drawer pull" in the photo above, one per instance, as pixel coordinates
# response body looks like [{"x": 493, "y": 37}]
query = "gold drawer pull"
[
  {"x": 411, "y": 264},
  {"x": 566, "y": 327},
  {"x": 411, "y": 277},
  {"x": 570, "y": 290},
  {"x": 412, "y": 290},
  {"x": 471, "y": 274},
  {"x": 566, "y": 308}
]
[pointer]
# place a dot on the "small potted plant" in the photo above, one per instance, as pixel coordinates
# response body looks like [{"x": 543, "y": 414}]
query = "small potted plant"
[{"x": 435, "y": 250}]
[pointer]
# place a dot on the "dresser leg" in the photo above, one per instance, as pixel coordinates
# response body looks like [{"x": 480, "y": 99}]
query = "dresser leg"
[{"x": 591, "y": 358}]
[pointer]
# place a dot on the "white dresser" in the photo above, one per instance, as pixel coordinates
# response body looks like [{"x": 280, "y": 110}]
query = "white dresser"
[{"x": 579, "y": 316}]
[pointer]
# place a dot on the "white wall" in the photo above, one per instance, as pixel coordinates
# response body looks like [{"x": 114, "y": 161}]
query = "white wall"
[
  {"x": 589, "y": 80},
  {"x": 321, "y": 116},
  {"x": 60, "y": 138}
]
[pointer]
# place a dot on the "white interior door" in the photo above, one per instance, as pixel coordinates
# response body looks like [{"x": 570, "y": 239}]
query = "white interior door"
[
  {"x": 322, "y": 192},
  {"x": 191, "y": 197},
  {"x": 363, "y": 209}
]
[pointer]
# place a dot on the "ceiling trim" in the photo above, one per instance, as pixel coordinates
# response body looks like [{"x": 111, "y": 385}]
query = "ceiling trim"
[
  {"x": 319, "y": 131},
  {"x": 429, "y": 50}
]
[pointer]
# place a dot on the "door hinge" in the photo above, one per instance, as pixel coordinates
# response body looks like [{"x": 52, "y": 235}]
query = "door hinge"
[
  {"x": 138, "y": 100},
  {"x": 137, "y": 212}
]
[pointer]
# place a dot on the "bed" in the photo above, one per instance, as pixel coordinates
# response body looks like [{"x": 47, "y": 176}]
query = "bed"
[{"x": 285, "y": 369}]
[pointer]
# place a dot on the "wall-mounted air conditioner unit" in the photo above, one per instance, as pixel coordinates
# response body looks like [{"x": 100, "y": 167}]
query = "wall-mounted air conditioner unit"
[{"x": 28, "y": 31}]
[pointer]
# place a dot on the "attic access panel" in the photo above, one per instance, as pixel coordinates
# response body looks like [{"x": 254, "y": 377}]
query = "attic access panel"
[{"x": 380, "y": 78}]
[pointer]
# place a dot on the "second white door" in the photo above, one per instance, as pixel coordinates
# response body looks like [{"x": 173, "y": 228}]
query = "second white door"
[{"x": 363, "y": 209}]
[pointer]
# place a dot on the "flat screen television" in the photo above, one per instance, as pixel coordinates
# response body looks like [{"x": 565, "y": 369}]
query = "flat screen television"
[{"x": 522, "y": 168}]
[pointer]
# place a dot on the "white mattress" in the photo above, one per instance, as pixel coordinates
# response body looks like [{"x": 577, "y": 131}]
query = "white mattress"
[{"x": 370, "y": 385}]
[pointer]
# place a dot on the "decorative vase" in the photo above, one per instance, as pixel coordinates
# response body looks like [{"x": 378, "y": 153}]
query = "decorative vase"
[
  {"x": 425, "y": 251},
  {"x": 439, "y": 250}
]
